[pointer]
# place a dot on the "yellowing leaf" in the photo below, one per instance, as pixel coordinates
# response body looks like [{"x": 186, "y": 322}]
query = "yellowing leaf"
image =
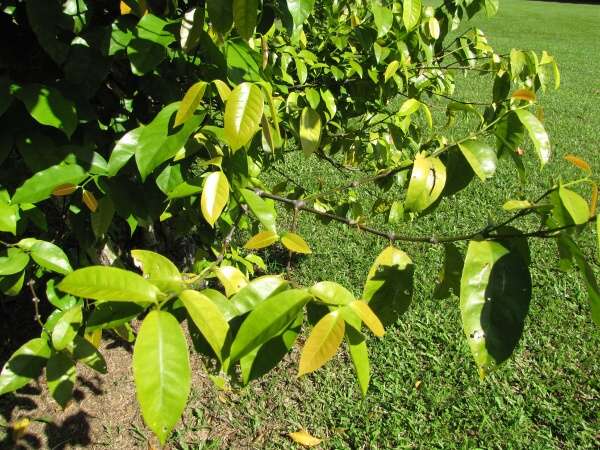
[
  {"x": 578, "y": 162},
  {"x": 94, "y": 337},
  {"x": 89, "y": 200},
  {"x": 261, "y": 240},
  {"x": 511, "y": 205},
  {"x": 322, "y": 343},
  {"x": 223, "y": 90},
  {"x": 310, "y": 130},
  {"x": 215, "y": 195},
  {"x": 295, "y": 243},
  {"x": 391, "y": 70},
  {"x": 367, "y": 315},
  {"x": 64, "y": 189},
  {"x": 524, "y": 94},
  {"x": 190, "y": 102},
  {"x": 434, "y": 27},
  {"x": 231, "y": 278},
  {"x": 243, "y": 111},
  {"x": 302, "y": 437}
]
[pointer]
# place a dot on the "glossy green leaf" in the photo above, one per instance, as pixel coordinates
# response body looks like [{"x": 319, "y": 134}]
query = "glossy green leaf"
[
  {"x": 481, "y": 157},
  {"x": 148, "y": 48},
  {"x": 357, "y": 346},
  {"x": 427, "y": 182},
  {"x": 190, "y": 102},
  {"x": 51, "y": 257},
  {"x": 208, "y": 318},
  {"x": 15, "y": 261},
  {"x": 109, "y": 315},
  {"x": 300, "y": 10},
  {"x": 124, "y": 150},
  {"x": 331, "y": 293},
  {"x": 41, "y": 185},
  {"x": 411, "y": 13},
  {"x": 66, "y": 328},
  {"x": 537, "y": 133},
  {"x": 61, "y": 302},
  {"x": 391, "y": 70},
  {"x": 310, "y": 131},
  {"x": 109, "y": 284},
  {"x": 60, "y": 377},
  {"x": 256, "y": 292},
  {"x": 244, "y": 17},
  {"x": 24, "y": 365},
  {"x": 575, "y": 205},
  {"x": 267, "y": 320},
  {"x": 49, "y": 107},
  {"x": 383, "y": 17},
  {"x": 103, "y": 217},
  {"x": 495, "y": 291},
  {"x": 215, "y": 195},
  {"x": 11, "y": 285},
  {"x": 322, "y": 343},
  {"x": 161, "y": 371},
  {"x": 243, "y": 111},
  {"x": 9, "y": 216},
  {"x": 220, "y": 13},
  {"x": 409, "y": 107},
  {"x": 263, "y": 209},
  {"x": 83, "y": 351},
  {"x": 159, "y": 270},
  {"x": 295, "y": 243},
  {"x": 389, "y": 286}
]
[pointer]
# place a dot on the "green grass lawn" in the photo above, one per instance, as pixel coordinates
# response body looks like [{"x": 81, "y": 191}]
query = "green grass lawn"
[{"x": 548, "y": 394}]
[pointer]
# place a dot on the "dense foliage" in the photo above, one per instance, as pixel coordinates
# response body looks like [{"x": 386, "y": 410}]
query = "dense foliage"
[{"x": 153, "y": 124}]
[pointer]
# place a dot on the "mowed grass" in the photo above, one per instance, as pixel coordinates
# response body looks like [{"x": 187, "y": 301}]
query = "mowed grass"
[{"x": 425, "y": 391}]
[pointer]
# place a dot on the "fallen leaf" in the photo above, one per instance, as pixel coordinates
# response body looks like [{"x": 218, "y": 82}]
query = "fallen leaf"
[{"x": 302, "y": 437}]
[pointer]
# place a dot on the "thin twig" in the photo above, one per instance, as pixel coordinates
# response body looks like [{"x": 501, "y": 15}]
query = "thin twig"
[{"x": 35, "y": 299}]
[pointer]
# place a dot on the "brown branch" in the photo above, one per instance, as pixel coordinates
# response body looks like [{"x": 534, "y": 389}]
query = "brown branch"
[{"x": 35, "y": 299}]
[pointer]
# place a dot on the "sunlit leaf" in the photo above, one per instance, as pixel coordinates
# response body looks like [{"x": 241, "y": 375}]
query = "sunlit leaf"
[
  {"x": 261, "y": 240},
  {"x": 231, "y": 278},
  {"x": 24, "y": 365},
  {"x": 243, "y": 111},
  {"x": 368, "y": 317},
  {"x": 331, "y": 293},
  {"x": 295, "y": 243},
  {"x": 481, "y": 157},
  {"x": 578, "y": 162},
  {"x": 310, "y": 131},
  {"x": 322, "y": 343},
  {"x": 537, "y": 133},
  {"x": 411, "y": 13},
  {"x": 215, "y": 195},
  {"x": 302, "y": 437}
]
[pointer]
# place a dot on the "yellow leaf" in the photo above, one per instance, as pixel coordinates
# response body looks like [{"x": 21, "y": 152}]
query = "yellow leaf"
[
  {"x": 390, "y": 70},
  {"x": 231, "y": 278},
  {"x": 261, "y": 240},
  {"x": 215, "y": 195},
  {"x": 223, "y": 90},
  {"x": 524, "y": 94},
  {"x": 367, "y": 315},
  {"x": 89, "y": 200},
  {"x": 434, "y": 27},
  {"x": 295, "y": 243},
  {"x": 303, "y": 438},
  {"x": 94, "y": 337},
  {"x": 511, "y": 205},
  {"x": 322, "y": 343},
  {"x": 190, "y": 102},
  {"x": 19, "y": 428},
  {"x": 310, "y": 130},
  {"x": 578, "y": 162},
  {"x": 137, "y": 8},
  {"x": 64, "y": 189}
]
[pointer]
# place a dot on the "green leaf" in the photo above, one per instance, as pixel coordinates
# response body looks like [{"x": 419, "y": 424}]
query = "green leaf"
[
  {"x": 124, "y": 150},
  {"x": 48, "y": 106},
  {"x": 295, "y": 243},
  {"x": 41, "y": 185},
  {"x": 537, "y": 133},
  {"x": 411, "y": 13},
  {"x": 449, "y": 277},
  {"x": 208, "y": 318},
  {"x": 109, "y": 315},
  {"x": 243, "y": 111},
  {"x": 24, "y": 365},
  {"x": 263, "y": 209},
  {"x": 491, "y": 7},
  {"x": 256, "y": 292},
  {"x": 495, "y": 291},
  {"x": 103, "y": 217},
  {"x": 190, "y": 102},
  {"x": 310, "y": 130},
  {"x": 383, "y": 17},
  {"x": 109, "y": 284},
  {"x": 409, "y": 107},
  {"x": 329, "y": 101},
  {"x": 267, "y": 320},
  {"x": 66, "y": 328},
  {"x": 359, "y": 354},
  {"x": 15, "y": 261},
  {"x": 60, "y": 377},
  {"x": 11, "y": 285},
  {"x": 261, "y": 240},
  {"x": 575, "y": 205},
  {"x": 191, "y": 29},
  {"x": 160, "y": 141},
  {"x": 427, "y": 181},
  {"x": 63, "y": 303},
  {"x": 391, "y": 70},
  {"x": 51, "y": 257},
  {"x": 149, "y": 46},
  {"x": 9, "y": 216},
  {"x": 82, "y": 350},
  {"x": 367, "y": 316},
  {"x": 481, "y": 157},
  {"x": 322, "y": 343},
  {"x": 331, "y": 293},
  {"x": 244, "y": 17},
  {"x": 389, "y": 286},
  {"x": 231, "y": 278},
  {"x": 300, "y": 10},
  {"x": 215, "y": 195},
  {"x": 159, "y": 270},
  {"x": 220, "y": 13}
]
